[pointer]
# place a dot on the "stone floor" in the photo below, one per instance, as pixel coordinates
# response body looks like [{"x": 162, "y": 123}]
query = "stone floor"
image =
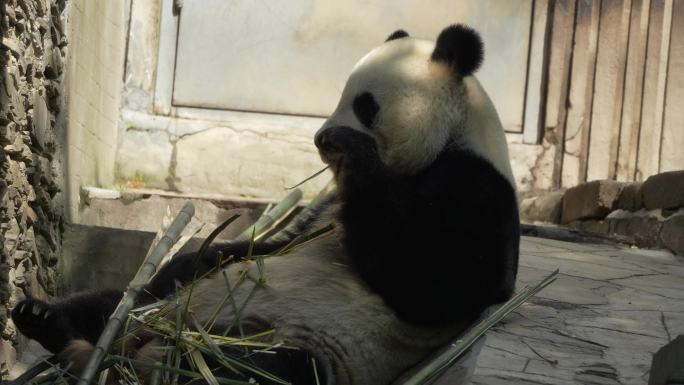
[{"x": 600, "y": 322}]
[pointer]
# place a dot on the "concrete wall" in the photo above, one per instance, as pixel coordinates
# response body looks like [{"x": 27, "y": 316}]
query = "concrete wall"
[
  {"x": 94, "y": 82},
  {"x": 255, "y": 155},
  {"x": 32, "y": 52}
]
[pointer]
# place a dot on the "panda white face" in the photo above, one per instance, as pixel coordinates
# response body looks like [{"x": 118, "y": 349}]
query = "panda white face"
[{"x": 408, "y": 94}]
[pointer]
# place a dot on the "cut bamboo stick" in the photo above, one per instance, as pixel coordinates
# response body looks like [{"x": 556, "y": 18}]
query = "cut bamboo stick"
[
  {"x": 270, "y": 218},
  {"x": 141, "y": 278}
]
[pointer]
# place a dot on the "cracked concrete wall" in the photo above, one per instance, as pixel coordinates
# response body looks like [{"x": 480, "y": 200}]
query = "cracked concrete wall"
[
  {"x": 32, "y": 93},
  {"x": 230, "y": 153},
  {"x": 94, "y": 86},
  {"x": 250, "y": 155}
]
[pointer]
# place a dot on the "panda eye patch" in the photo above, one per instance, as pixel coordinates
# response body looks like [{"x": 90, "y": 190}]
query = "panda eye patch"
[{"x": 366, "y": 108}]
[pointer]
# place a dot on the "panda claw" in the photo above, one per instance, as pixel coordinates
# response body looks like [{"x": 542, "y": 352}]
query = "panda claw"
[{"x": 42, "y": 322}]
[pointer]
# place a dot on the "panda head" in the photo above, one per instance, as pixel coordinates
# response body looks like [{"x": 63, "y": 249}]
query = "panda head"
[{"x": 409, "y": 95}]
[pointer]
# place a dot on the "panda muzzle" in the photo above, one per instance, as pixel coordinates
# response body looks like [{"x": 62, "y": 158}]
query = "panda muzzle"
[{"x": 329, "y": 148}]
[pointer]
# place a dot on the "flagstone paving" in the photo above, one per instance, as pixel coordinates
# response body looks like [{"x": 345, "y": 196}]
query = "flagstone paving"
[{"x": 600, "y": 322}]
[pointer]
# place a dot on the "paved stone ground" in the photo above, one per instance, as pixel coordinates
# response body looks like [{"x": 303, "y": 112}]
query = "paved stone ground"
[{"x": 609, "y": 310}]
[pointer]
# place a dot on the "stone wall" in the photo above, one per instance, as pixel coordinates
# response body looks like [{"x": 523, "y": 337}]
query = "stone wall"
[
  {"x": 31, "y": 129},
  {"x": 646, "y": 214}
]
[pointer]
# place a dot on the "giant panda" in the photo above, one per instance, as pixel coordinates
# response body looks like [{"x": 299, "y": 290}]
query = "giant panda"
[{"x": 425, "y": 237}]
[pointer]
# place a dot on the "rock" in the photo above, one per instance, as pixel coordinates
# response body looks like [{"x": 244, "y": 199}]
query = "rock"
[
  {"x": 590, "y": 200},
  {"x": 592, "y": 226},
  {"x": 11, "y": 15},
  {"x": 642, "y": 231},
  {"x": 672, "y": 234},
  {"x": 664, "y": 190},
  {"x": 13, "y": 45},
  {"x": 18, "y": 150},
  {"x": 42, "y": 130},
  {"x": 31, "y": 216},
  {"x": 3, "y": 189},
  {"x": 8, "y": 357},
  {"x": 12, "y": 235},
  {"x": 54, "y": 67},
  {"x": 543, "y": 208},
  {"x": 631, "y": 197},
  {"x": 20, "y": 255}
]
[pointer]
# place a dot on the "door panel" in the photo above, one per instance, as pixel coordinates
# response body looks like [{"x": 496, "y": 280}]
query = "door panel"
[{"x": 293, "y": 57}]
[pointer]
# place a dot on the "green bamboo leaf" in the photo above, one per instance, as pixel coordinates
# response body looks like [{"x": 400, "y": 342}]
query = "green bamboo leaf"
[
  {"x": 181, "y": 372},
  {"x": 202, "y": 366}
]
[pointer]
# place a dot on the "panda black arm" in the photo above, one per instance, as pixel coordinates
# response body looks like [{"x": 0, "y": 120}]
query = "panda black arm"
[
  {"x": 183, "y": 268},
  {"x": 438, "y": 245}
]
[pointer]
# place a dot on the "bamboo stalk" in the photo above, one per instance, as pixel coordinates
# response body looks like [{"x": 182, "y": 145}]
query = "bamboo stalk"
[
  {"x": 270, "y": 218},
  {"x": 149, "y": 266},
  {"x": 432, "y": 370}
]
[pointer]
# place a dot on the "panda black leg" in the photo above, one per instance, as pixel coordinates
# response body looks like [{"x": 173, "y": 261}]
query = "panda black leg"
[
  {"x": 44, "y": 323},
  {"x": 54, "y": 325}
]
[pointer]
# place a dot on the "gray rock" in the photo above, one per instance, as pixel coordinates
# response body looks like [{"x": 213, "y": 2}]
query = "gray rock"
[
  {"x": 664, "y": 190},
  {"x": 13, "y": 45},
  {"x": 543, "y": 208},
  {"x": 592, "y": 226},
  {"x": 42, "y": 130},
  {"x": 641, "y": 231},
  {"x": 590, "y": 200},
  {"x": 631, "y": 197},
  {"x": 12, "y": 235},
  {"x": 672, "y": 234}
]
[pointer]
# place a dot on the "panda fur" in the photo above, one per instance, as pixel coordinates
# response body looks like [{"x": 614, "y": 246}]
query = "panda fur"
[{"x": 426, "y": 230}]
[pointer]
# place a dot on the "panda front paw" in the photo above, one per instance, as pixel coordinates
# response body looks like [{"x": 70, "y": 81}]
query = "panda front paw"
[
  {"x": 42, "y": 322},
  {"x": 343, "y": 145}
]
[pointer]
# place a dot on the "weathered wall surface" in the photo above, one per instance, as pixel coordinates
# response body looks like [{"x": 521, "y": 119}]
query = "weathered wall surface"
[
  {"x": 618, "y": 111},
  {"x": 31, "y": 109},
  {"x": 94, "y": 79}
]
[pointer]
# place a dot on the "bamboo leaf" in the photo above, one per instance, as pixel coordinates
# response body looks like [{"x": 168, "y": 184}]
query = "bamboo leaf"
[
  {"x": 210, "y": 342},
  {"x": 205, "y": 245},
  {"x": 317, "y": 173},
  {"x": 203, "y": 368},
  {"x": 165, "y": 368}
]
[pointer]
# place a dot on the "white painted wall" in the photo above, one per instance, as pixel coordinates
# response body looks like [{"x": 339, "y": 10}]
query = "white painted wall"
[{"x": 97, "y": 42}]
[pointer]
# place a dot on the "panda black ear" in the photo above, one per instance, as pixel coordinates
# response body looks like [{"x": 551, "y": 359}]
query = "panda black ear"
[
  {"x": 398, "y": 34},
  {"x": 460, "y": 47}
]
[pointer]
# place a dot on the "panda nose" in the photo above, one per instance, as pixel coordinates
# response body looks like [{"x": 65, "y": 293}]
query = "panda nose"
[{"x": 323, "y": 141}]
